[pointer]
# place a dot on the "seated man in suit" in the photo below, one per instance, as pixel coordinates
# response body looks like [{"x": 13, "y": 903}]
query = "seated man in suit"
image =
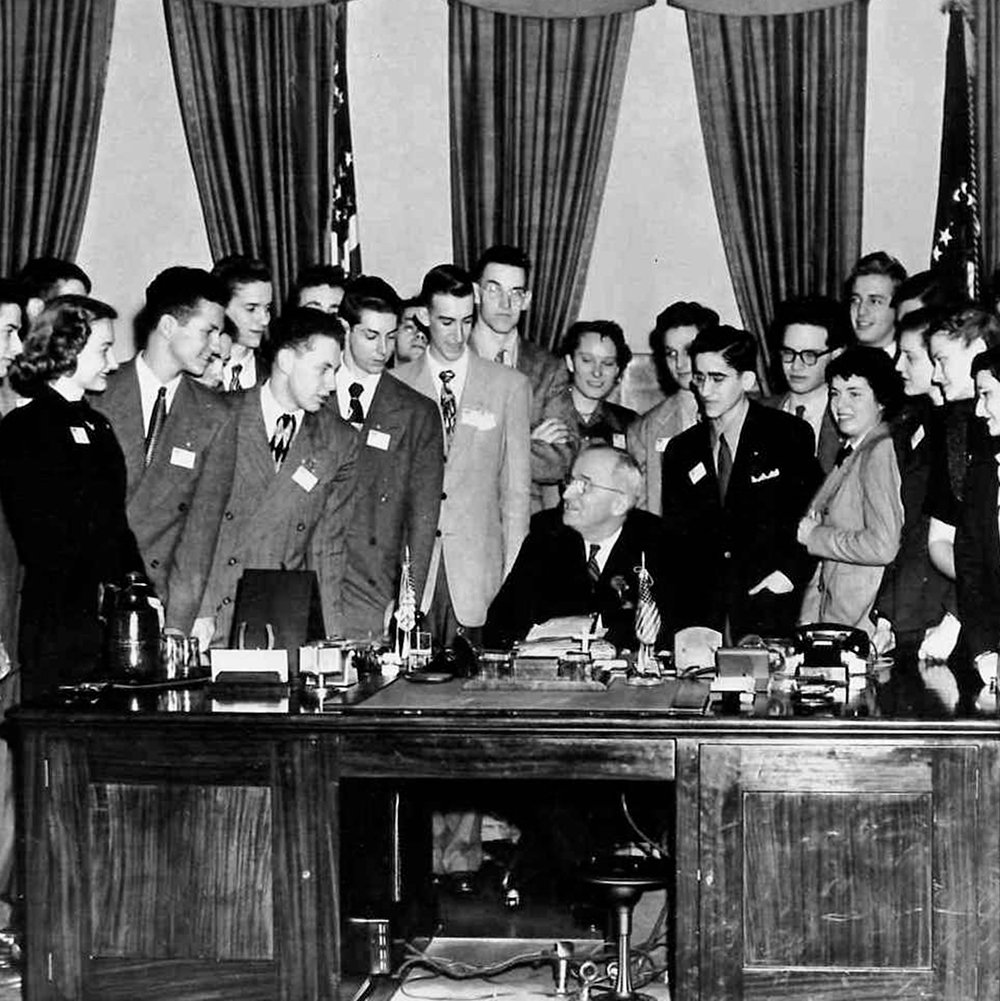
[
  {"x": 290, "y": 495},
  {"x": 502, "y": 296},
  {"x": 319, "y": 286},
  {"x": 582, "y": 559},
  {"x": 485, "y": 409},
  {"x": 178, "y": 437},
  {"x": 808, "y": 333},
  {"x": 249, "y": 295},
  {"x": 734, "y": 489},
  {"x": 400, "y": 461}
]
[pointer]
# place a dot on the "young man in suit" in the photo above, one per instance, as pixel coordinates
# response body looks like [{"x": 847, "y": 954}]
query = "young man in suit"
[
  {"x": 582, "y": 559},
  {"x": 319, "y": 286},
  {"x": 808, "y": 333},
  {"x": 44, "y": 278},
  {"x": 400, "y": 461},
  {"x": 178, "y": 437},
  {"x": 502, "y": 295},
  {"x": 870, "y": 291},
  {"x": 290, "y": 496},
  {"x": 249, "y": 297},
  {"x": 734, "y": 489},
  {"x": 485, "y": 413}
]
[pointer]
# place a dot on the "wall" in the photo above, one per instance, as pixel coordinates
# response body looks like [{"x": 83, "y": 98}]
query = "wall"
[{"x": 657, "y": 237}]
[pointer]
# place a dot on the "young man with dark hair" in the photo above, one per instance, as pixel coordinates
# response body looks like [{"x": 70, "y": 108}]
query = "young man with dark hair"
[
  {"x": 734, "y": 489},
  {"x": 291, "y": 492},
  {"x": 411, "y": 336},
  {"x": 319, "y": 286},
  {"x": 44, "y": 278},
  {"x": 869, "y": 291},
  {"x": 400, "y": 461},
  {"x": 485, "y": 412},
  {"x": 178, "y": 437},
  {"x": 249, "y": 297},
  {"x": 503, "y": 294},
  {"x": 808, "y": 333}
]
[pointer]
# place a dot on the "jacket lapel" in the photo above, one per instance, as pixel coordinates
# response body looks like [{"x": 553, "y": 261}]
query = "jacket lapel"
[
  {"x": 255, "y": 465},
  {"x": 383, "y": 414},
  {"x": 124, "y": 409}
]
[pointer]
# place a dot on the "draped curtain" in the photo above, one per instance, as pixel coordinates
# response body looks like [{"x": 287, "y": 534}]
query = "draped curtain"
[
  {"x": 781, "y": 101},
  {"x": 53, "y": 65},
  {"x": 257, "y": 96},
  {"x": 534, "y": 104},
  {"x": 985, "y": 19}
]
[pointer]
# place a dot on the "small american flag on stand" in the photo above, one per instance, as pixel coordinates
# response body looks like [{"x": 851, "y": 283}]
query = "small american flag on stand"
[
  {"x": 346, "y": 246},
  {"x": 647, "y": 622},
  {"x": 406, "y": 609}
]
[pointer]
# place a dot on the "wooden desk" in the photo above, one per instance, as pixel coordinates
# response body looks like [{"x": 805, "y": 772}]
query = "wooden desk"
[{"x": 175, "y": 852}]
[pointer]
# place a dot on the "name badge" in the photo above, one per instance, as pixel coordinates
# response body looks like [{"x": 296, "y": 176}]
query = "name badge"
[
  {"x": 661, "y": 443},
  {"x": 305, "y": 478},
  {"x": 183, "y": 457},
  {"x": 918, "y": 437},
  {"x": 698, "y": 473},
  {"x": 481, "y": 420},
  {"x": 378, "y": 439},
  {"x": 618, "y": 440},
  {"x": 80, "y": 435}
]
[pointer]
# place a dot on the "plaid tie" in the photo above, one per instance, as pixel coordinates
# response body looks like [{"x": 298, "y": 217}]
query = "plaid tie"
[
  {"x": 156, "y": 421},
  {"x": 284, "y": 431},
  {"x": 234, "y": 378},
  {"x": 355, "y": 413},
  {"x": 449, "y": 406}
]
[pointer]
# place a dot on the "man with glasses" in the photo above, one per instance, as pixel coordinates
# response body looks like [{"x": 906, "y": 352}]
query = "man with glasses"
[
  {"x": 583, "y": 559},
  {"x": 502, "y": 295},
  {"x": 734, "y": 488},
  {"x": 808, "y": 333}
]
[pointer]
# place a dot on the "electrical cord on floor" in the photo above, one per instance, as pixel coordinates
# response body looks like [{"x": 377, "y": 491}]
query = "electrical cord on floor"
[{"x": 654, "y": 849}]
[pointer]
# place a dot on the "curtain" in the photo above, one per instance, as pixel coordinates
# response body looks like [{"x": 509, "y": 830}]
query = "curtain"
[
  {"x": 53, "y": 64},
  {"x": 534, "y": 103},
  {"x": 985, "y": 18},
  {"x": 781, "y": 101},
  {"x": 257, "y": 96}
]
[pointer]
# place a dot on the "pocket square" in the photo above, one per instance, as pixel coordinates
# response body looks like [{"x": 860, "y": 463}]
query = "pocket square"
[{"x": 771, "y": 474}]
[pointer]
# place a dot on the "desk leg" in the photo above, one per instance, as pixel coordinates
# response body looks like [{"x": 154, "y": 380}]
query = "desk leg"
[{"x": 686, "y": 984}]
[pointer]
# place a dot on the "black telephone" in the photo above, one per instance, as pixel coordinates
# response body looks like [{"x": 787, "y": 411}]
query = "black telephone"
[{"x": 822, "y": 644}]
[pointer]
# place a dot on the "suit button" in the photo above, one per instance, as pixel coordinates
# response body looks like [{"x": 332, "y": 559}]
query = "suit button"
[
  {"x": 300, "y": 527},
  {"x": 233, "y": 561},
  {"x": 438, "y": 533},
  {"x": 727, "y": 555},
  {"x": 371, "y": 582},
  {"x": 182, "y": 507},
  {"x": 372, "y": 541},
  {"x": 383, "y": 498},
  {"x": 229, "y": 516},
  {"x": 227, "y": 601},
  {"x": 154, "y": 563},
  {"x": 444, "y": 496}
]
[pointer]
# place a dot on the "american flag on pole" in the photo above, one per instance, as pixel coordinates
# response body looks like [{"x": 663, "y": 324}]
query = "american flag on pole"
[
  {"x": 406, "y": 608},
  {"x": 647, "y": 615},
  {"x": 956, "y": 250},
  {"x": 346, "y": 246}
]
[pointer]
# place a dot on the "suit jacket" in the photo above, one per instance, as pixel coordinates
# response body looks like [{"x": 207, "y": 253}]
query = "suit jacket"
[
  {"x": 487, "y": 477},
  {"x": 977, "y": 554},
  {"x": 550, "y": 464},
  {"x": 861, "y": 518},
  {"x": 650, "y": 434},
  {"x": 192, "y": 469},
  {"x": 914, "y": 594},
  {"x": 399, "y": 473},
  {"x": 829, "y": 437},
  {"x": 295, "y": 519},
  {"x": 550, "y": 579},
  {"x": 62, "y": 485},
  {"x": 10, "y": 565},
  {"x": 722, "y": 551}
]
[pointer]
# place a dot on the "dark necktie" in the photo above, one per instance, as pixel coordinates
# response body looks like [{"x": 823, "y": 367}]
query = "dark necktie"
[
  {"x": 800, "y": 411},
  {"x": 156, "y": 421},
  {"x": 449, "y": 406},
  {"x": 593, "y": 568},
  {"x": 501, "y": 357},
  {"x": 355, "y": 413},
  {"x": 284, "y": 431},
  {"x": 723, "y": 467},
  {"x": 234, "y": 378},
  {"x": 843, "y": 453}
]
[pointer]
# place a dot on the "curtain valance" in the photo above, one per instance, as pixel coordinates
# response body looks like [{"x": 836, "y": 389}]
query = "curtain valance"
[
  {"x": 756, "y": 8},
  {"x": 559, "y": 8}
]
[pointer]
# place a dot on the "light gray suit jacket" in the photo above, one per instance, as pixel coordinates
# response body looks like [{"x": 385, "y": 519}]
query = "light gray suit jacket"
[
  {"x": 487, "y": 481},
  {"x": 649, "y": 436}
]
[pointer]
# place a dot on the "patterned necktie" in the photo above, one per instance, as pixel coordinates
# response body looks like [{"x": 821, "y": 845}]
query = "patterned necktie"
[
  {"x": 723, "y": 467},
  {"x": 449, "y": 406},
  {"x": 284, "y": 431},
  {"x": 355, "y": 413},
  {"x": 845, "y": 451},
  {"x": 234, "y": 378},
  {"x": 156, "y": 421},
  {"x": 593, "y": 567},
  {"x": 800, "y": 411},
  {"x": 501, "y": 357}
]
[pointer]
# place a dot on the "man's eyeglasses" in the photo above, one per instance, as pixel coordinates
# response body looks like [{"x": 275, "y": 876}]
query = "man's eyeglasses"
[
  {"x": 807, "y": 357},
  {"x": 585, "y": 484},
  {"x": 494, "y": 291}
]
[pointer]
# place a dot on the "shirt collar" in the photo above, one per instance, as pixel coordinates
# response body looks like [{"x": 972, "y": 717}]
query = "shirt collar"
[
  {"x": 732, "y": 427},
  {"x": 272, "y": 410},
  {"x": 149, "y": 383},
  {"x": 487, "y": 343},
  {"x": 460, "y": 366}
]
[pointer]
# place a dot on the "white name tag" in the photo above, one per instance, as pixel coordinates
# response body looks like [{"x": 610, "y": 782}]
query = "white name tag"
[
  {"x": 698, "y": 473},
  {"x": 305, "y": 478},
  {"x": 481, "y": 420},
  {"x": 661, "y": 443},
  {"x": 80, "y": 436},
  {"x": 618, "y": 440},
  {"x": 378, "y": 439},
  {"x": 918, "y": 437},
  {"x": 183, "y": 457}
]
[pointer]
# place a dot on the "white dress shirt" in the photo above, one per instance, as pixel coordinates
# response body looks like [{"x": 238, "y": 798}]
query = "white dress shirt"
[
  {"x": 368, "y": 382},
  {"x": 248, "y": 371},
  {"x": 461, "y": 369},
  {"x": 271, "y": 410}
]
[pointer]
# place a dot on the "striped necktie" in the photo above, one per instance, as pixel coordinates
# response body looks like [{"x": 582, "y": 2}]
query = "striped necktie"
[
  {"x": 593, "y": 567},
  {"x": 234, "y": 378}
]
